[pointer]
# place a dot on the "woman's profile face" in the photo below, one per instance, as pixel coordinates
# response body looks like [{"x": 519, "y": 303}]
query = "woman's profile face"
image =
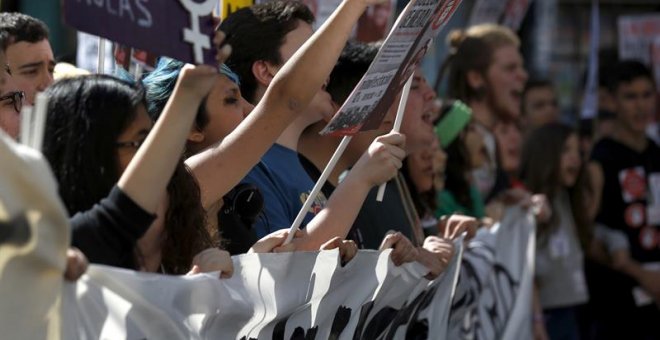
[
  {"x": 420, "y": 168},
  {"x": 570, "y": 161},
  {"x": 506, "y": 78},
  {"x": 226, "y": 108},
  {"x": 132, "y": 138},
  {"x": 474, "y": 144},
  {"x": 509, "y": 141}
]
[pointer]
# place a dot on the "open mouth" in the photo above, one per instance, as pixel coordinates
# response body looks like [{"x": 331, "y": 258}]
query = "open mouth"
[{"x": 516, "y": 94}]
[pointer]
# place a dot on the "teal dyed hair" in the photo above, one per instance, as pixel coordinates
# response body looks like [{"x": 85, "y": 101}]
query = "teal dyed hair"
[{"x": 159, "y": 85}]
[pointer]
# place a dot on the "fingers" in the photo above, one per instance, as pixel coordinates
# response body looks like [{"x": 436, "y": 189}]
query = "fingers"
[
  {"x": 393, "y": 138},
  {"x": 389, "y": 240},
  {"x": 430, "y": 261},
  {"x": 272, "y": 243},
  {"x": 76, "y": 264},
  {"x": 194, "y": 270},
  {"x": 347, "y": 248},
  {"x": 435, "y": 255},
  {"x": 211, "y": 260},
  {"x": 453, "y": 226},
  {"x": 222, "y": 50},
  {"x": 269, "y": 242},
  {"x": 403, "y": 250},
  {"x": 335, "y": 242}
]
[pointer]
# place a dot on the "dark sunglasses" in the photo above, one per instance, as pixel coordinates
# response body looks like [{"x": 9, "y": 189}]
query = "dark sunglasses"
[{"x": 15, "y": 98}]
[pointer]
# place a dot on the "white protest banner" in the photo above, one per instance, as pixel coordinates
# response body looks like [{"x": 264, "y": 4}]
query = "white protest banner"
[
  {"x": 270, "y": 296},
  {"x": 34, "y": 235},
  {"x": 181, "y": 29},
  {"x": 403, "y": 49},
  {"x": 494, "y": 293},
  {"x": 636, "y": 33}
]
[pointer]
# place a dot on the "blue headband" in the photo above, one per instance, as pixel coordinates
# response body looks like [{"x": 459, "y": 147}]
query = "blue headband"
[{"x": 224, "y": 69}]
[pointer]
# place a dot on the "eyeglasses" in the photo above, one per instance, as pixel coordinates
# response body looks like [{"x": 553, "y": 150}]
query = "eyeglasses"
[
  {"x": 135, "y": 144},
  {"x": 15, "y": 98}
]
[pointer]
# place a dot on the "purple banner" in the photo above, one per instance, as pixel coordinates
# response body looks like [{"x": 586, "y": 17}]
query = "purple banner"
[{"x": 181, "y": 29}]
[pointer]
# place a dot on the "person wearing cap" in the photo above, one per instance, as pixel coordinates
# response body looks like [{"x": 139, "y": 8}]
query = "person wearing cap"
[{"x": 465, "y": 152}]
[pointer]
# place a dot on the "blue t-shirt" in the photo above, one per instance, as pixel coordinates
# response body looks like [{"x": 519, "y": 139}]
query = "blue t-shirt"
[{"x": 285, "y": 185}]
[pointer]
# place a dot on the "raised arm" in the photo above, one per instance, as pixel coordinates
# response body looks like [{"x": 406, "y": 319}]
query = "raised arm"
[
  {"x": 221, "y": 167},
  {"x": 377, "y": 165},
  {"x": 147, "y": 175}
]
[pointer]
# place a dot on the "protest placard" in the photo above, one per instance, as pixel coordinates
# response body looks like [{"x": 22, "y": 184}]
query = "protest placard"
[
  {"x": 515, "y": 13},
  {"x": 636, "y": 34},
  {"x": 180, "y": 29},
  {"x": 403, "y": 49},
  {"x": 487, "y": 11}
]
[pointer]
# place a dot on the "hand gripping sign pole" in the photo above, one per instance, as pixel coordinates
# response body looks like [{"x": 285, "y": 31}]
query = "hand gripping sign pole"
[
  {"x": 397, "y": 126},
  {"x": 317, "y": 187}
]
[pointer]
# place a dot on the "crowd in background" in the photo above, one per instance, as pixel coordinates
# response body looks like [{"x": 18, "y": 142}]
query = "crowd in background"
[{"x": 160, "y": 173}]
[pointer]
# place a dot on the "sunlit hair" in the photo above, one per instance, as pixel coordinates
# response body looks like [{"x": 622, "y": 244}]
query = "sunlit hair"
[
  {"x": 473, "y": 50},
  {"x": 159, "y": 85}
]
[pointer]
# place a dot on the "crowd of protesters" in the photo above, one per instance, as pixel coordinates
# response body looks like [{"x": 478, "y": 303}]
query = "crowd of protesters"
[{"x": 174, "y": 172}]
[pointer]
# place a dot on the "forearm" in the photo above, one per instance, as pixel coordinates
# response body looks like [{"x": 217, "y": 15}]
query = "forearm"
[
  {"x": 337, "y": 218},
  {"x": 148, "y": 174},
  {"x": 646, "y": 278}
]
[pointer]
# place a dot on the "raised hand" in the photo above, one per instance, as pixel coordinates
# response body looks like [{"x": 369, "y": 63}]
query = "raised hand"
[{"x": 382, "y": 160}]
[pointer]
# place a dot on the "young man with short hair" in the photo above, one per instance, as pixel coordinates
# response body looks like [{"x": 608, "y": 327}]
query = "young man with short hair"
[
  {"x": 263, "y": 37},
  {"x": 540, "y": 104},
  {"x": 29, "y": 54},
  {"x": 627, "y": 166}
]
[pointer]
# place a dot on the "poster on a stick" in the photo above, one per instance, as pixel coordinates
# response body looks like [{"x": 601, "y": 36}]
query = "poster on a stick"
[
  {"x": 181, "y": 29},
  {"x": 401, "y": 52}
]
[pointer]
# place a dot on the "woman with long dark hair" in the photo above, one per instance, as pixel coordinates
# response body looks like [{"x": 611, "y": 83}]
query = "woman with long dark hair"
[
  {"x": 551, "y": 165},
  {"x": 95, "y": 127}
]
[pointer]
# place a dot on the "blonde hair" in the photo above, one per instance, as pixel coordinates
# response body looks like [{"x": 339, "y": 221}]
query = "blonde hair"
[
  {"x": 472, "y": 50},
  {"x": 66, "y": 70}
]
